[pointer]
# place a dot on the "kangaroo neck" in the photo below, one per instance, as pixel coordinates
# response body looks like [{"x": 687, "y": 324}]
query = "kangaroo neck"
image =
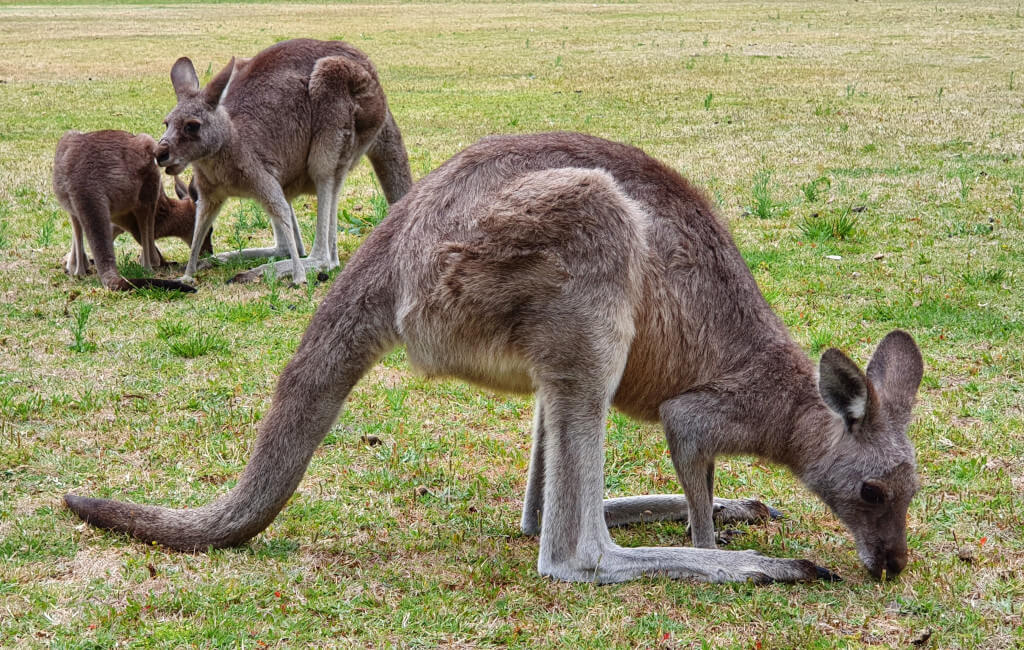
[{"x": 797, "y": 428}]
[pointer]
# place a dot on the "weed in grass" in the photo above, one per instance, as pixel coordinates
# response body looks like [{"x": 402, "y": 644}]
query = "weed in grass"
[
  {"x": 983, "y": 277},
  {"x": 378, "y": 205},
  {"x": 128, "y": 266},
  {"x": 691, "y": 63},
  {"x": 5, "y": 236},
  {"x": 811, "y": 189},
  {"x": 359, "y": 224},
  {"x": 706, "y": 41},
  {"x": 771, "y": 295},
  {"x": 707, "y": 101},
  {"x": 273, "y": 283},
  {"x": 249, "y": 218},
  {"x": 763, "y": 205},
  {"x": 821, "y": 229},
  {"x": 1012, "y": 73},
  {"x": 1016, "y": 195},
  {"x": 851, "y": 89},
  {"x": 47, "y": 229},
  {"x": 959, "y": 228},
  {"x": 196, "y": 344},
  {"x": 171, "y": 329},
  {"x": 820, "y": 339},
  {"x": 965, "y": 176},
  {"x": 938, "y": 95},
  {"x": 79, "y": 321},
  {"x": 823, "y": 110}
]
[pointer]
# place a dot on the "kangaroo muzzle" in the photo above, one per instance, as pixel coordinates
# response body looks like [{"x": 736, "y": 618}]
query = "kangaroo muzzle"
[
  {"x": 172, "y": 165},
  {"x": 885, "y": 560}
]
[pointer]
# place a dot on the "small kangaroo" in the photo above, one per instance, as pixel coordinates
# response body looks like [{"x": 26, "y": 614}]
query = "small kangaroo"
[
  {"x": 590, "y": 274},
  {"x": 108, "y": 183},
  {"x": 294, "y": 119}
]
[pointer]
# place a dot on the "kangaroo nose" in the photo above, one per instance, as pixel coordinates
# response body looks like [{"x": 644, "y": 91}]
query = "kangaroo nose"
[
  {"x": 895, "y": 563},
  {"x": 162, "y": 155}
]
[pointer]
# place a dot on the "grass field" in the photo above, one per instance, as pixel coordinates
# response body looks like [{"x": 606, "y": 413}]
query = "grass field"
[{"x": 868, "y": 157}]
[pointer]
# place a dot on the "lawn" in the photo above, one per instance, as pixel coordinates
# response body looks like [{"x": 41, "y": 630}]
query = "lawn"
[{"x": 868, "y": 158}]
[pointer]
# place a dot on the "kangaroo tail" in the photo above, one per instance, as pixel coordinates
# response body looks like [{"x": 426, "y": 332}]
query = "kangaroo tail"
[
  {"x": 124, "y": 284},
  {"x": 390, "y": 161},
  {"x": 351, "y": 330}
]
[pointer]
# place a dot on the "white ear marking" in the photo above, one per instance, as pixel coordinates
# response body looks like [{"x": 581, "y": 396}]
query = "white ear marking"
[{"x": 857, "y": 406}]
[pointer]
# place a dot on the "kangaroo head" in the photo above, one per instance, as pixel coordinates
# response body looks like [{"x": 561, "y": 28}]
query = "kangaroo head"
[
  {"x": 198, "y": 126},
  {"x": 868, "y": 476}
]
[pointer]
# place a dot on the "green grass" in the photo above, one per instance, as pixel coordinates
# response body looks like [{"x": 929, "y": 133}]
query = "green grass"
[{"x": 908, "y": 110}]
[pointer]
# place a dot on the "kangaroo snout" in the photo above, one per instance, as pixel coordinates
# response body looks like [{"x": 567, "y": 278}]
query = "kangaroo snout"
[
  {"x": 890, "y": 561},
  {"x": 163, "y": 153},
  {"x": 171, "y": 164}
]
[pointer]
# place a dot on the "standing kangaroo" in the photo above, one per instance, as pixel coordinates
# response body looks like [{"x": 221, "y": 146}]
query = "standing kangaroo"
[
  {"x": 294, "y": 119},
  {"x": 592, "y": 275},
  {"x": 108, "y": 183}
]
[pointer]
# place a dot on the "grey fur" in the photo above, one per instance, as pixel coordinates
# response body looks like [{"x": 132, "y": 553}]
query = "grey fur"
[
  {"x": 108, "y": 183},
  {"x": 294, "y": 119},
  {"x": 590, "y": 274}
]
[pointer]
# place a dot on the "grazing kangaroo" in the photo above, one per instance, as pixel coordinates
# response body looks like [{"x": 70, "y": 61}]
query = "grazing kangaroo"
[
  {"x": 108, "y": 183},
  {"x": 592, "y": 275},
  {"x": 294, "y": 119}
]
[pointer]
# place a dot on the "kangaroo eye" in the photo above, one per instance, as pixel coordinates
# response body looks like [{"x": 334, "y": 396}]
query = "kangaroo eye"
[
  {"x": 192, "y": 127},
  {"x": 872, "y": 494}
]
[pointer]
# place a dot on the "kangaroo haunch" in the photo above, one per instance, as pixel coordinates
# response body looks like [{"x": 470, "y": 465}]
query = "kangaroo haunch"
[
  {"x": 592, "y": 275},
  {"x": 108, "y": 184},
  {"x": 294, "y": 119}
]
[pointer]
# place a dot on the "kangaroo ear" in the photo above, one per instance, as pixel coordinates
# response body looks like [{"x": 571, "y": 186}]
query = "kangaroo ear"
[
  {"x": 843, "y": 386},
  {"x": 896, "y": 369},
  {"x": 213, "y": 91},
  {"x": 193, "y": 189},
  {"x": 179, "y": 187},
  {"x": 184, "y": 78}
]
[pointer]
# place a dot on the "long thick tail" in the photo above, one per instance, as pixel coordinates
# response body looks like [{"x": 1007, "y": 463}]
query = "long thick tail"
[
  {"x": 390, "y": 161},
  {"x": 351, "y": 330},
  {"x": 124, "y": 284}
]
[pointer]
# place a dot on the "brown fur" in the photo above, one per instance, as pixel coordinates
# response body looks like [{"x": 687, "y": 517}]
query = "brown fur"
[
  {"x": 174, "y": 219},
  {"x": 590, "y": 274},
  {"x": 293, "y": 119},
  {"x": 108, "y": 183}
]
